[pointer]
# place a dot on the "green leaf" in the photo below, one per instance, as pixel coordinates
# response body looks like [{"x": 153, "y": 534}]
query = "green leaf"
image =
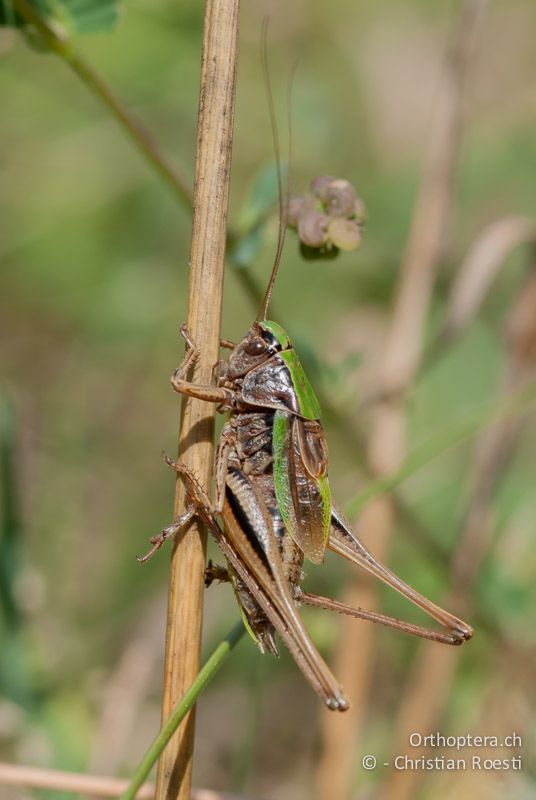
[
  {"x": 7, "y": 14},
  {"x": 246, "y": 249},
  {"x": 336, "y": 375},
  {"x": 88, "y": 16},
  {"x": 74, "y": 16},
  {"x": 262, "y": 197}
]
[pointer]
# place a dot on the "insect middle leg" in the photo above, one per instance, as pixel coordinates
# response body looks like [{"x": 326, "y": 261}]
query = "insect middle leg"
[
  {"x": 215, "y": 572},
  {"x": 222, "y": 457},
  {"x": 168, "y": 532}
]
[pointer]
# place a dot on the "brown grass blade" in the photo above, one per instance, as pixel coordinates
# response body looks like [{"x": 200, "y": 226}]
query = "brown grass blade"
[
  {"x": 96, "y": 785},
  {"x": 481, "y": 266}
]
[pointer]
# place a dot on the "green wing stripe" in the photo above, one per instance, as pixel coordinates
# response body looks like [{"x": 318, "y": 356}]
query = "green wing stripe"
[
  {"x": 325, "y": 494},
  {"x": 283, "y": 494},
  {"x": 307, "y": 399}
]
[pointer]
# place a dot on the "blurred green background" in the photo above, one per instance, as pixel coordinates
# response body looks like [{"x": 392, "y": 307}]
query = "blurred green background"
[{"x": 94, "y": 250}]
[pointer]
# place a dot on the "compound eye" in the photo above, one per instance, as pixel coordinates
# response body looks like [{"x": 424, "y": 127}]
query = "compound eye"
[{"x": 255, "y": 347}]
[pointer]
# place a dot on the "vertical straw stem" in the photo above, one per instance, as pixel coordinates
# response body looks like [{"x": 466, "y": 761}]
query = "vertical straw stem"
[{"x": 211, "y": 193}]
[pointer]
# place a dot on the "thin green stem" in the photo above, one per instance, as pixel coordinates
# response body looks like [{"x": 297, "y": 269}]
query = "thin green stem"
[
  {"x": 10, "y": 517},
  {"x": 205, "y": 675},
  {"x": 93, "y": 81},
  {"x": 439, "y": 443}
]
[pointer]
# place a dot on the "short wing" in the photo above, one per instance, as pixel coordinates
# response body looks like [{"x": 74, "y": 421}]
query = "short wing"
[{"x": 301, "y": 483}]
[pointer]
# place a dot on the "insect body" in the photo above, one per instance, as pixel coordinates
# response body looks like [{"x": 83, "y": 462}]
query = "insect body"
[{"x": 272, "y": 507}]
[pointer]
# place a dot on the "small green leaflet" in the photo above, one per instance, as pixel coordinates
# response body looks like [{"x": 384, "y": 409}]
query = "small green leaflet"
[
  {"x": 74, "y": 16},
  {"x": 262, "y": 197},
  {"x": 252, "y": 217}
]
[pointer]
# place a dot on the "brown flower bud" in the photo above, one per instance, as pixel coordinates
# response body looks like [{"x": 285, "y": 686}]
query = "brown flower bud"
[
  {"x": 344, "y": 233},
  {"x": 297, "y": 207},
  {"x": 319, "y": 185},
  {"x": 312, "y": 228},
  {"x": 340, "y": 198}
]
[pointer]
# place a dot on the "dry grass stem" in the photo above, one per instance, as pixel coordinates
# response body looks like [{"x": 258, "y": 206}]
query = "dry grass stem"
[
  {"x": 96, "y": 785},
  {"x": 481, "y": 266},
  {"x": 125, "y": 693},
  {"x": 399, "y": 364},
  {"x": 213, "y": 162}
]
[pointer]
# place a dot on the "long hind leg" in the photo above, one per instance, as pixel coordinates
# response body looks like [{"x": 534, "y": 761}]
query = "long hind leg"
[
  {"x": 328, "y": 604},
  {"x": 344, "y": 542}
]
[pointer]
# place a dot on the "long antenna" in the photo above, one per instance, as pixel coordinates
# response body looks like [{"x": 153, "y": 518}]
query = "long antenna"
[{"x": 283, "y": 199}]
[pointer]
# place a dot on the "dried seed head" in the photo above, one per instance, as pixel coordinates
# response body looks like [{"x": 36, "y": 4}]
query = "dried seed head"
[
  {"x": 344, "y": 233},
  {"x": 312, "y": 228},
  {"x": 340, "y": 198},
  {"x": 297, "y": 207},
  {"x": 319, "y": 185},
  {"x": 329, "y": 220}
]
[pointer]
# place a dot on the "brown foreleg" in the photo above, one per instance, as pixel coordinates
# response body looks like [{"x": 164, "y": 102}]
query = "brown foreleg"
[{"x": 212, "y": 394}]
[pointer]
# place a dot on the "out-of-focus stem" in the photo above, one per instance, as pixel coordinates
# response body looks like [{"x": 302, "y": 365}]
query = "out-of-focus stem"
[
  {"x": 135, "y": 131},
  {"x": 10, "y": 517},
  {"x": 83, "y": 785},
  {"x": 398, "y": 366},
  {"x": 499, "y": 411},
  {"x": 429, "y": 683}
]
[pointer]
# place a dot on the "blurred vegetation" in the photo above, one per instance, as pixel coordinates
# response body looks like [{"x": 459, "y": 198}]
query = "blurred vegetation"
[{"x": 94, "y": 252}]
